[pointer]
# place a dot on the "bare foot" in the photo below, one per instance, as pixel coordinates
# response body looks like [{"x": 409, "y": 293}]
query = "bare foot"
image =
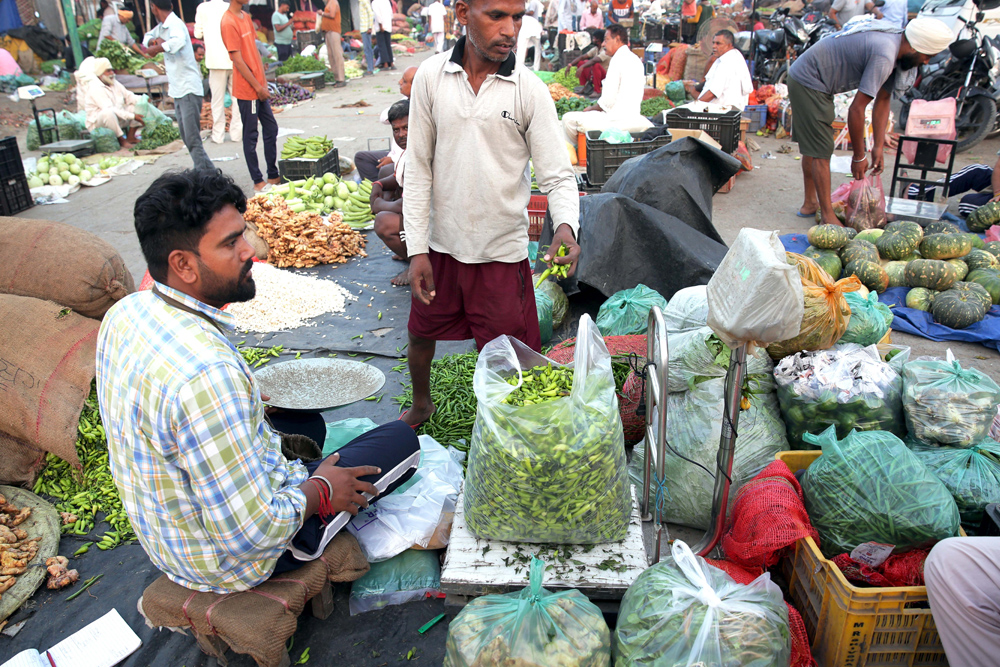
[
  {"x": 399, "y": 259},
  {"x": 274, "y": 181},
  {"x": 402, "y": 278},
  {"x": 804, "y": 212},
  {"x": 418, "y": 414},
  {"x": 257, "y": 187},
  {"x": 835, "y": 221}
]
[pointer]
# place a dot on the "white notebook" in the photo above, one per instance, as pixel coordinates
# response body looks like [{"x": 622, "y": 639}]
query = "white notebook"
[{"x": 104, "y": 643}]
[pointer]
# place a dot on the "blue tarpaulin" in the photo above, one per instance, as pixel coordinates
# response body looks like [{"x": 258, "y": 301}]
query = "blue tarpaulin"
[
  {"x": 917, "y": 322},
  {"x": 9, "y": 18}
]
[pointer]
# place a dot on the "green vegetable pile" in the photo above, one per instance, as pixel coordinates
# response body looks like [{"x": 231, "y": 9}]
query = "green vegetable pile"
[
  {"x": 946, "y": 404},
  {"x": 566, "y": 77},
  {"x": 160, "y": 134},
  {"x": 312, "y": 148},
  {"x": 301, "y": 64},
  {"x": 452, "y": 393},
  {"x": 120, "y": 56},
  {"x": 869, "y": 487},
  {"x": 539, "y": 385},
  {"x": 654, "y": 105},
  {"x": 567, "y": 104}
]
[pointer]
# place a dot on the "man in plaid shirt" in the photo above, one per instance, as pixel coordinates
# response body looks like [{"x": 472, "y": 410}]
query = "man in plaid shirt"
[{"x": 212, "y": 499}]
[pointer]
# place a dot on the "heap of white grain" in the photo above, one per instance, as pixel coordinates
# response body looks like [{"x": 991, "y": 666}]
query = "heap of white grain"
[{"x": 286, "y": 300}]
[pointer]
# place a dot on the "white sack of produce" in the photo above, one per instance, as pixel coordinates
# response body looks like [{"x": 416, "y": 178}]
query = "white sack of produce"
[
  {"x": 687, "y": 309},
  {"x": 61, "y": 263},
  {"x": 755, "y": 295},
  {"x": 409, "y": 516},
  {"x": 551, "y": 469},
  {"x": 946, "y": 404},
  {"x": 683, "y": 612}
]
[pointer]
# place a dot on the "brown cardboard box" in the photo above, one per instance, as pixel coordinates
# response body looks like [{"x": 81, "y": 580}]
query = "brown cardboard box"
[{"x": 701, "y": 135}]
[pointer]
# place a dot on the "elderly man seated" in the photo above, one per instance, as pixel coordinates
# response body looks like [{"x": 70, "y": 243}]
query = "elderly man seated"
[
  {"x": 621, "y": 92},
  {"x": 106, "y": 102},
  {"x": 218, "y": 498},
  {"x": 728, "y": 81}
]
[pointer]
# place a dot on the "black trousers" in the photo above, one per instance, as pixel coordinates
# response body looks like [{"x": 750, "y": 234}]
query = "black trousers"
[
  {"x": 284, "y": 52},
  {"x": 384, "y": 40},
  {"x": 251, "y": 111}
]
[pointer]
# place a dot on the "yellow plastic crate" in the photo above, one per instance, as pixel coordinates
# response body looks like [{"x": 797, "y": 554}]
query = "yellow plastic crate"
[{"x": 850, "y": 626}]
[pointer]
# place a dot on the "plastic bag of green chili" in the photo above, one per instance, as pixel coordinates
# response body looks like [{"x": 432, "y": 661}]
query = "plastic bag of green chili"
[
  {"x": 531, "y": 628},
  {"x": 972, "y": 475},
  {"x": 683, "y": 612},
  {"x": 869, "y": 487},
  {"x": 551, "y": 472}
]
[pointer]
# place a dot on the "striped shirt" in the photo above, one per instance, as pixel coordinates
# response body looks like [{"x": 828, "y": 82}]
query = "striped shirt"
[{"x": 201, "y": 474}]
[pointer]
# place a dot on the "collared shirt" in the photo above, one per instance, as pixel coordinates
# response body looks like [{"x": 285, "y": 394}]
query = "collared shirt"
[
  {"x": 111, "y": 26},
  {"x": 365, "y": 15},
  {"x": 383, "y": 15},
  {"x": 622, "y": 88},
  {"x": 436, "y": 13},
  {"x": 592, "y": 20},
  {"x": 200, "y": 473},
  {"x": 208, "y": 27},
  {"x": 456, "y": 135},
  {"x": 283, "y": 36},
  {"x": 729, "y": 80},
  {"x": 183, "y": 72}
]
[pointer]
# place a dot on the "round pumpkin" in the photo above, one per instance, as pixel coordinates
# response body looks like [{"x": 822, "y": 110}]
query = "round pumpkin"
[
  {"x": 945, "y": 246},
  {"x": 980, "y": 259},
  {"x": 978, "y": 291},
  {"x": 870, "y": 235},
  {"x": 988, "y": 278},
  {"x": 829, "y": 237},
  {"x": 828, "y": 260},
  {"x": 870, "y": 274},
  {"x": 992, "y": 247},
  {"x": 957, "y": 309},
  {"x": 930, "y": 273},
  {"x": 942, "y": 227},
  {"x": 961, "y": 268},
  {"x": 920, "y": 298},
  {"x": 977, "y": 240},
  {"x": 900, "y": 239},
  {"x": 858, "y": 250},
  {"x": 897, "y": 273},
  {"x": 984, "y": 217}
]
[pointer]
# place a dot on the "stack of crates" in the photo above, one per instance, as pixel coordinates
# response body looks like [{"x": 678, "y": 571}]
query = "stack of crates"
[{"x": 14, "y": 194}]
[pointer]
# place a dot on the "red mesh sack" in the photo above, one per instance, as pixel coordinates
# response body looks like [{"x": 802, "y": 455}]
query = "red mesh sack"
[
  {"x": 801, "y": 652},
  {"x": 905, "y": 569},
  {"x": 678, "y": 62},
  {"x": 768, "y": 516}
]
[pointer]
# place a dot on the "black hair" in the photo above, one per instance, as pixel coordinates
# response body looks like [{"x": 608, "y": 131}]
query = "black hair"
[
  {"x": 173, "y": 213},
  {"x": 598, "y": 35},
  {"x": 727, "y": 35},
  {"x": 399, "y": 110},
  {"x": 165, "y": 5},
  {"x": 618, "y": 31}
]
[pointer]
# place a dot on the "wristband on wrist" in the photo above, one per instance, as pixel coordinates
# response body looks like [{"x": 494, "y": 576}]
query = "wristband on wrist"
[
  {"x": 325, "y": 508},
  {"x": 861, "y": 160}
]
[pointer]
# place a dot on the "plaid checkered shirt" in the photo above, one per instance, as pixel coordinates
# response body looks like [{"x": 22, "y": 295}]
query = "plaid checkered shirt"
[{"x": 200, "y": 472}]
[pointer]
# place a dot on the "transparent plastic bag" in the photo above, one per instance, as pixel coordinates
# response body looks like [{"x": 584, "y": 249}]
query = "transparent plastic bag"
[
  {"x": 869, "y": 487},
  {"x": 755, "y": 295},
  {"x": 697, "y": 355},
  {"x": 408, "y": 576},
  {"x": 531, "y": 628},
  {"x": 553, "y": 472},
  {"x": 946, "y": 404},
  {"x": 847, "y": 386},
  {"x": 543, "y": 306},
  {"x": 684, "y": 612},
  {"x": 627, "y": 312},
  {"x": 972, "y": 475},
  {"x": 560, "y": 303},
  {"x": 687, "y": 309},
  {"x": 825, "y": 315},
  {"x": 151, "y": 116},
  {"x": 866, "y": 203},
  {"x": 410, "y": 515},
  {"x": 870, "y": 320}
]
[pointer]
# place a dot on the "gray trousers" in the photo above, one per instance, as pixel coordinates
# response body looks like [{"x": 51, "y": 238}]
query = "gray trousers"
[
  {"x": 188, "y": 110},
  {"x": 366, "y": 162},
  {"x": 963, "y": 586}
]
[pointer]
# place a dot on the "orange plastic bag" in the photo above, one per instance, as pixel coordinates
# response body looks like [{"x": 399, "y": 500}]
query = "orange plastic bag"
[{"x": 826, "y": 311}]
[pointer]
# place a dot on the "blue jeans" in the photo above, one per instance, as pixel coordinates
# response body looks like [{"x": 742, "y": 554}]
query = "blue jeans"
[
  {"x": 366, "y": 40},
  {"x": 576, "y": 23}
]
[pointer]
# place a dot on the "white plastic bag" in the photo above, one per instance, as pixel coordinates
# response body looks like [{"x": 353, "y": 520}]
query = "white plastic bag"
[
  {"x": 687, "y": 309},
  {"x": 755, "y": 295},
  {"x": 409, "y": 516}
]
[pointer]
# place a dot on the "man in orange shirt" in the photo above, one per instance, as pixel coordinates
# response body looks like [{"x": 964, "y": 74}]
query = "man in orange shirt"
[
  {"x": 330, "y": 26},
  {"x": 250, "y": 91}
]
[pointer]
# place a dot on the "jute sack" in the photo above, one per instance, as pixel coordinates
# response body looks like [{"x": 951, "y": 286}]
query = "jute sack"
[
  {"x": 47, "y": 362},
  {"x": 61, "y": 263},
  {"x": 20, "y": 462}
]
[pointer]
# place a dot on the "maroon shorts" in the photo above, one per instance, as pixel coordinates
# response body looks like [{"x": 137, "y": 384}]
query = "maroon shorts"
[{"x": 480, "y": 301}]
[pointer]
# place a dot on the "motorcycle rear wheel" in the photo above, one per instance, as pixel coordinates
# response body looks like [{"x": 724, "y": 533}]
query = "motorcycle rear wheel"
[{"x": 975, "y": 122}]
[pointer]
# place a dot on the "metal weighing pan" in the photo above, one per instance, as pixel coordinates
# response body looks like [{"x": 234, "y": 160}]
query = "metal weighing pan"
[{"x": 314, "y": 385}]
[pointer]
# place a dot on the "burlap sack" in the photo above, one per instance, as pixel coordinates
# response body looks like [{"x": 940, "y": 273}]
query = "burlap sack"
[
  {"x": 257, "y": 622},
  {"x": 20, "y": 463},
  {"x": 61, "y": 263},
  {"x": 47, "y": 358}
]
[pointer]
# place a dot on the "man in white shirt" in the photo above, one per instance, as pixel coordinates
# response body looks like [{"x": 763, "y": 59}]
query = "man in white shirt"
[
  {"x": 621, "y": 92},
  {"x": 567, "y": 8},
  {"x": 843, "y": 11},
  {"x": 436, "y": 12},
  {"x": 207, "y": 27},
  {"x": 893, "y": 11},
  {"x": 530, "y": 36},
  {"x": 371, "y": 163},
  {"x": 728, "y": 81},
  {"x": 533, "y": 8},
  {"x": 382, "y": 29}
]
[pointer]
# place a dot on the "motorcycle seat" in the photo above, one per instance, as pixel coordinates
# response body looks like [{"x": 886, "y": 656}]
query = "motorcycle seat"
[{"x": 770, "y": 37}]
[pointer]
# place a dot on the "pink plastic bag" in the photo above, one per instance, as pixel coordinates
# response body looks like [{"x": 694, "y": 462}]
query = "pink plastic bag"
[
  {"x": 866, "y": 203},
  {"x": 840, "y": 194},
  {"x": 934, "y": 119},
  {"x": 993, "y": 233}
]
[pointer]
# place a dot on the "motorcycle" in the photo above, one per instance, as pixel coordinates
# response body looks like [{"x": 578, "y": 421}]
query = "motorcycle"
[
  {"x": 777, "y": 48},
  {"x": 970, "y": 72}
]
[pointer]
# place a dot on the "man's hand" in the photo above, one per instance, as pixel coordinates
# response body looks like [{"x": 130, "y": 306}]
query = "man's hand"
[
  {"x": 858, "y": 169},
  {"x": 384, "y": 162},
  {"x": 347, "y": 488},
  {"x": 376, "y": 193},
  {"x": 263, "y": 93},
  {"x": 422, "y": 278},
  {"x": 878, "y": 160},
  {"x": 139, "y": 119},
  {"x": 564, "y": 236}
]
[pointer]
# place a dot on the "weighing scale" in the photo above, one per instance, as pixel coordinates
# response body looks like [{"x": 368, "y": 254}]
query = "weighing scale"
[{"x": 78, "y": 147}]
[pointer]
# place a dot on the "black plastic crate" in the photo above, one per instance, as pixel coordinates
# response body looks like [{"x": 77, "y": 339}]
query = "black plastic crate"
[
  {"x": 723, "y": 127},
  {"x": 304, "y": 38},
  {"x": 10, "y": 158},
  {"x": 317, "y": 80},
  {"x": 603, "y": 159},
  {"x": 14, "y": 195},
  {"x": 299, "y": 168}
]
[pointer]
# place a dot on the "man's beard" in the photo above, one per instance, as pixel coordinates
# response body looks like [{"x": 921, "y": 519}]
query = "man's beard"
[
  {"x": 909, "y": 61},
  {"x": 217, "y": 290},
  {"x": 482, "y": 49}
]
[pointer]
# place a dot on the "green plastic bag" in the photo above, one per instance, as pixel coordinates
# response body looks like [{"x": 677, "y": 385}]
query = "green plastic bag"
[
  {"x": 615, "y": 136},
  {"x": 341, "y": 432},
  {"x": 70, "y": 127},
  {"x": 946, "y": 404},
  {"x": 869, "y": 487},
  {"x": 531, "y": 628},
  {"x": 560, "y": 303},
  {"x": 627, "y": 311},
  {"x": 870, "y": 320},
  {"x": 543, "y": 306},
  {"x": 675, "y": 92},
  {"x": 972, "y": 475},
  {"x": 683, "y": 612},
  {"x": 409, "y": 576},
  {"x": 151, "y": 116}
]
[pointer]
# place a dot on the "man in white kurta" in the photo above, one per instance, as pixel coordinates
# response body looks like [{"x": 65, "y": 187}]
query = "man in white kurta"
[
  {"x": 621, "y": 92},
  {"x": 435, "y": 12},
  {"x": 529, "y": 36},
  {"x": 728, "y": 81}
]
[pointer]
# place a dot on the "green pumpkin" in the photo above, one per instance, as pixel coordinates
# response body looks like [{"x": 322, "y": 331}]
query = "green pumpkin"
[
  {"x": 858, "y": 250},
  {"x": 829, "y": 237},
  {"x": 900, "y": 239},
  {"x": 942, "y": 227},
  {"x": 960, "y": 267},
  {"x": 911, "y": 257},
  {"x": 870, "y": 235},
  {"x": 978, "y": 291},
  {"x": 920, "y": 298},
  {"x": 992, "y": 247},
  {"x": 977, "y": 240},
  {"x": 930, "y": 273},
  {"x": 984, "y": 217},
  {"x": 897, "y": 273},
  {"x": 957, "y": 309},
  {"x": 980, "y": 259},
  {"x": 988, "y": 278},
  {"x": 870, "y": 274},
  {"x": 945, "y": 246},
  {"x": 828, "y": 260}
]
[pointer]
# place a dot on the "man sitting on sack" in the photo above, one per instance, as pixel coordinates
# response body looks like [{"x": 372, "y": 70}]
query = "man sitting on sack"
[
  {"x": 621, "y": 92},
  {"x": 107, "y": 103},
  {"x": 728, "y": 81},
  {"x": 201, "y": 473}
]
